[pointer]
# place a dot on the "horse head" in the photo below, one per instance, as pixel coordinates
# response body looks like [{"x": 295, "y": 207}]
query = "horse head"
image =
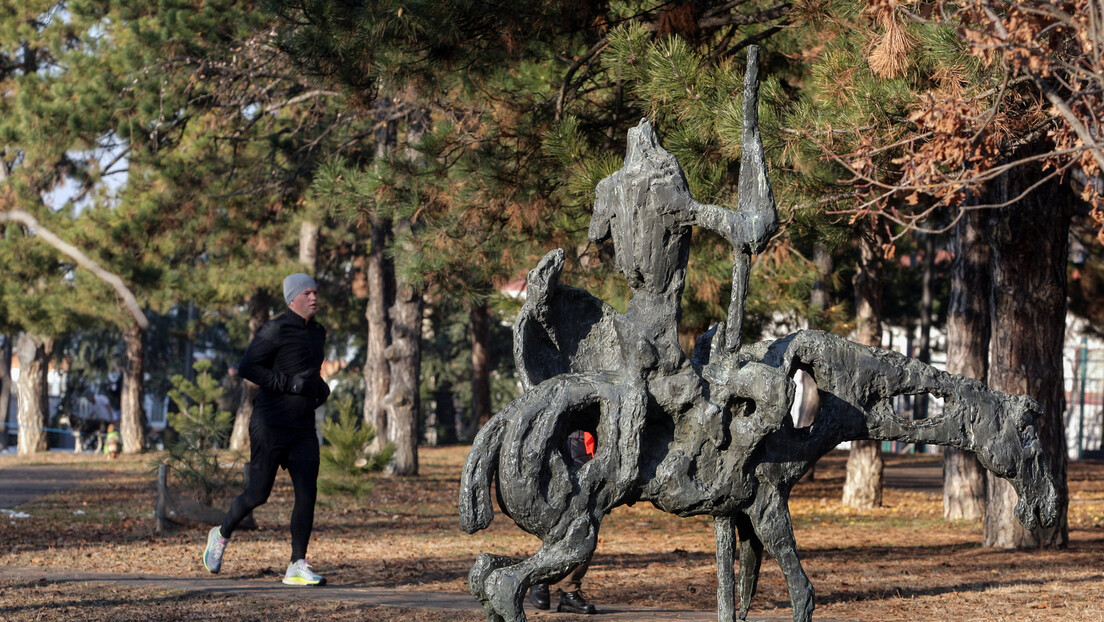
[{"x": 1015, "y": 453}]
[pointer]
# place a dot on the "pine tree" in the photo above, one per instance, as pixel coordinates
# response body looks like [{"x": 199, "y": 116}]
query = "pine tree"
[
  {"x": 169, "y": 99},
  {"x": 346, "y": 461},
  {"x": 200, "y": 430},
  {"x": 490, "y": 81}
]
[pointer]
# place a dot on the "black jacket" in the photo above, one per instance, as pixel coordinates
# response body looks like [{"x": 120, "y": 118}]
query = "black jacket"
[{"x": 284, "y": 360}]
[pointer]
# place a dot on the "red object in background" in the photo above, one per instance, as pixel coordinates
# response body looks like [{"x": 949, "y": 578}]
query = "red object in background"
[{"x": 590, "y": 443}]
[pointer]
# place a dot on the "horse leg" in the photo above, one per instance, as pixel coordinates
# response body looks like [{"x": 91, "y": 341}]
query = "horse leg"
[
  {"x": 726, "y": 534},
  {"x": 486, "y": 563},
  {"x": 751, "y": 558},
  {"x": 505, "y": 587},
  {"x": 771, "y": 520}
]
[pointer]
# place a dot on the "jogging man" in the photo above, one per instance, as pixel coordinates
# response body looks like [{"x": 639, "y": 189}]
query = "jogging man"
[
  {"x": 284, "y": 360},
  {"x": 580, "y": 446}
]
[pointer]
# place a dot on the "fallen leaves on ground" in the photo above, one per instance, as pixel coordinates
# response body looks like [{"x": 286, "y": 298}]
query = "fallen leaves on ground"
[{"x": 899, "y": 562}]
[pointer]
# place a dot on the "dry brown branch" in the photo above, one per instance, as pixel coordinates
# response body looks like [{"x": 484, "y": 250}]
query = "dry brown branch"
[
  {"x": 1047, "y": 103},
  {"x": 889, "y": 59}
]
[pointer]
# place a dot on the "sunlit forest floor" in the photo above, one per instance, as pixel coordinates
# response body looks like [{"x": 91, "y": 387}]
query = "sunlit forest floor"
[{"x": 900, "y": 562}]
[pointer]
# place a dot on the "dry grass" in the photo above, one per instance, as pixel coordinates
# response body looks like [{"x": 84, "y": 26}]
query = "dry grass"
[{"x": 901, "y": 562}]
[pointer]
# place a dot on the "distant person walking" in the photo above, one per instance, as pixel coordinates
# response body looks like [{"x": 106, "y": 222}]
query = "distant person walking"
[
  {"x": 284, "y": 360},
  {"x": 232, "y": 390}
]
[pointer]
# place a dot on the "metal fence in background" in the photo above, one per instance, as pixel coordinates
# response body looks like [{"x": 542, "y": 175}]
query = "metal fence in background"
[{"x": 1084, "y": 416}]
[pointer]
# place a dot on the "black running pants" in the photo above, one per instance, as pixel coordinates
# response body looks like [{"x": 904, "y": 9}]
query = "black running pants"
[{"x": 271, "y": 448}]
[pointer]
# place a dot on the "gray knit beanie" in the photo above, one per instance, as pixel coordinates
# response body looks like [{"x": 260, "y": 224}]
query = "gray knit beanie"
[{"x": 295, "y": 284}]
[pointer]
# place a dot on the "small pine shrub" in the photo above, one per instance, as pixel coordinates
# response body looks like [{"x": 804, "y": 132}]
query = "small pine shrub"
[
  {"x": 345, "y": 460},
  {"x": 200, "y": 430}
]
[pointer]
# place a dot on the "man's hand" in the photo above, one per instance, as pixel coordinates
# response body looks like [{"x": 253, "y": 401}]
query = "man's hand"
[
  {"x": 302, "y": 382},
  {"x": 323, "y": 394}
]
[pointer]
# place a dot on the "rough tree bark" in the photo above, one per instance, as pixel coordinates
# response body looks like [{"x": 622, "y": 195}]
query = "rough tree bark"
[
  {"x": 1030, "y": 245},
  {"x": 5, "y": 389},
  {"x": 381, "y": 296},
  {"x": 308, "y": 246},
  {"x": 380, "y": 277},
  {"x": 33, "y": 404},
  {"x": 258, "y": 315},
  {"x": 863, "y": 486},
  {"x": 820, "y": 300},
  {"x": 481, "y": 371},
  {"x": 968, "y": 328},
  {"x": 132, "y": 422},
  {"x": 404, "y": 356}
]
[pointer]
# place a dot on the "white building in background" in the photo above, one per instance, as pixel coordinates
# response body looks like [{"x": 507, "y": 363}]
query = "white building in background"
[{"x": 1083, "y": 374}]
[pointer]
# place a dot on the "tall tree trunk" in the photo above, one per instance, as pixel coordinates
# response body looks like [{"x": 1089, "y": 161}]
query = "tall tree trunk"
[
  {"x": 258, "y": 315},
  {"x": 308, "y": 246},
  {"x": 968, "y": 328},
  {"x": 381, "y": 297},
  {"x": 1029, "y": 241},
  {"x": 34, "y": 353},
  {"x": 481, "y": 368},
  {"x": 865, "y": 467},
  {"x": 402, "y": 401},
  {"x": 404, "y": 355},
  {"x": 380, "y": 279},
  {"x": 820, "y": 300},
  {"x": 132, "y": 423},
  {"x": 926, "y": 301},
  {"x": 188, "y": 336},
  {"x": 5, "y": 388}
]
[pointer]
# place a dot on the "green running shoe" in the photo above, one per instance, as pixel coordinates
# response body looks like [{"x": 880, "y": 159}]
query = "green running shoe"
[
  {"x": 212, "y": 555},
  {"x": 300, "y": 573}
]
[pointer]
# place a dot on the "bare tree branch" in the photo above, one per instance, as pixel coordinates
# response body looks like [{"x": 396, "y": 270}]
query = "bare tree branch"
[
  {"x": 82, "y": 260},
  {"x": 1079, "y": 128},
  {"x": 301, "y": 98}
]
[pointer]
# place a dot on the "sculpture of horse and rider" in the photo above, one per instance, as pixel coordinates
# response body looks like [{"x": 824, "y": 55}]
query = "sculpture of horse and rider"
[{"x": 706, "y": 434}]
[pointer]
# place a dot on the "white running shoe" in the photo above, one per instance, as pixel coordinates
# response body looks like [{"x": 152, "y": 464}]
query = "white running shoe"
[
  {"x": 212, "y": 555},
  {"x": 300, "y": 573}
]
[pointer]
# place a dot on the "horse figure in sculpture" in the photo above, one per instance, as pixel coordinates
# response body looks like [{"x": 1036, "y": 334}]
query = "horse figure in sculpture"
[
  {"x": 709, "y": 434},
  {"x": 741, "y": 474}
]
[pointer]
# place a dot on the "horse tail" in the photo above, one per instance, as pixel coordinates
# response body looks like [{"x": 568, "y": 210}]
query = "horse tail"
[
  {"x": 476, "y": 511},
  {"x": 524, "y": 443}
]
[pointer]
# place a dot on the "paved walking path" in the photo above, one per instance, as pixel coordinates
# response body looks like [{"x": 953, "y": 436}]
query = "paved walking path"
[
  {"x": 924, "y": 476},
  {"x": 21, "y": 484},
  {"x": 417, "y": 599}
]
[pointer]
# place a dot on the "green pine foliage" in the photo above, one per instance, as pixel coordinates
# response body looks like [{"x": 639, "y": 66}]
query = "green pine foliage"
[
  {"x": 697, "y": 107},
  {"x": 345, "y": 462},
  {"x": 199, "y": 430},
  {"x": 176, "y": 128},
  {"x": 447, "y": 366}
]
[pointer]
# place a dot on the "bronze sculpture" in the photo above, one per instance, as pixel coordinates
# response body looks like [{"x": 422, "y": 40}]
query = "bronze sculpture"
[{"x": 708, "y": 434}]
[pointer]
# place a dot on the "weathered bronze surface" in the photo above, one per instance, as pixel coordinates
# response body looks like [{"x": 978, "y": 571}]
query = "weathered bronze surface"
[{"x": 710, "y": 434}]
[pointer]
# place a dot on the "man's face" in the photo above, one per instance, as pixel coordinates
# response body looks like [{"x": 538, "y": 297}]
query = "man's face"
[{"x": 306, "y": 303}]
